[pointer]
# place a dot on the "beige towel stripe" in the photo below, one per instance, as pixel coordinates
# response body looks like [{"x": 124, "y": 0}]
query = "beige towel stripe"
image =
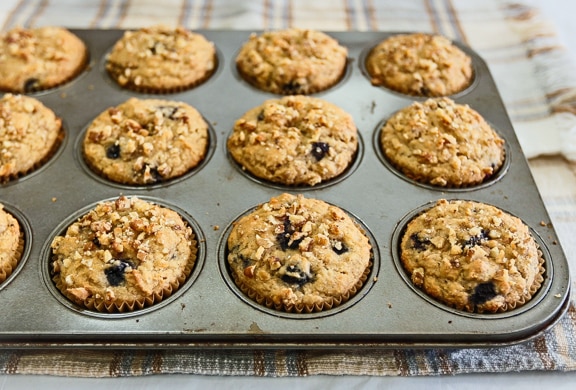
[
  {"x": 209, "y": 6},
  {"x": 182, "y": 14},
  {"x": 259, "y": 363},
  {"x": 401, "y": 363},
  {"x": 39, "y": 11},
  {"x": 445, "y": 364},
  {"x": 428, "y": 6},
  {"x": 11, "y": 15},
  {"x": 457, "y": 22},
  {"x": 266, "y": 9},
  {"x": 348, "y": 15},
  {"x": 99, "y": 14},
  {"x": 124, "y": 7},
  {"x": 290, "y": 14},
  {"x": 543, "y": 353},
  {"x": 12, "y": 366},
  {"x": 372, "y": 16},
  {"x": 301, "y": 364}
]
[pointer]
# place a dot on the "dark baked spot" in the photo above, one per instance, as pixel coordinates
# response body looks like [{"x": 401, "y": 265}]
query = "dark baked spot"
[
  {"x": 419, "y": 244},
  {"x": 294, "y": 275},
  {"x": 476, "y": 240},
  {"x": 31, "y": 85},
  {"x": 261, "y": 116},
  {"x": 424, "y": 90},
  {"x": 483, "y": 293},
  {"x": 319, "y": 150},
  {"x": 293, "y": 87},
  {"x": 339, "y": 248},
  {"x": 285, "y": 238},
  {"x": 168, "y": 111},
  {"x": 96, "y": 242},
  {"x": 246, "y": 262},
  {"x": 153, "y": 48},
  {"x": 150, "y": 127},
  {"x": 488, "y": 175},
  {"x": 115, "y": 274},
  {"x": 113, "y": 151},
  {"x": 153, "y": 173}
]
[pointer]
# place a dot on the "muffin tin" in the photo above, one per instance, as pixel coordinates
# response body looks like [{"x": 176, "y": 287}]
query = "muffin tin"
[{"x": 209, "y": 311}]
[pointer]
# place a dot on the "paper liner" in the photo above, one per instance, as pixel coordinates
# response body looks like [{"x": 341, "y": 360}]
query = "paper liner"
[
  {"x": 55, "y": 146},
  {"x": 7, "y": 270},
  {"x": 538, "y": 279},
  {"x": 127, "y": 181},
  {"x": 312, "y": 90},
  {"x": 525, "y": 298},
  {"x": 329, "y": 303},
  {"x": 119, "y": 306},
  {"x": 343, "y": 173},
  {"x": 421, "y": 95},
  {"x": 426, "y": 181}
]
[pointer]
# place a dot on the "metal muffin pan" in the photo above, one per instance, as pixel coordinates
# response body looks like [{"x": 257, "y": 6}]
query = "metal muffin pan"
[{"x": 208, "y": 311}]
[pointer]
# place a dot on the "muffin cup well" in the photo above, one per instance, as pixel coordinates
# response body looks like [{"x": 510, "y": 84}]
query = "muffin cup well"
[
  {"x": 299, "y": 308},
  {"x": 527, "y": 300},
  {"x": 157, "y": 296}
]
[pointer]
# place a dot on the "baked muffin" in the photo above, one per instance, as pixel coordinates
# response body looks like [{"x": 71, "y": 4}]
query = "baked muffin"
[
  {"x": 160, "y": 59},
  {"x": 11, "y": 243},
  {"x": 30, "y": 133},
  {"x": 420, "y": 64},
  {"x": 294, "y": 141},
  {"x": 123, "y": 255},
  {"x": 297, "y": 254},
  {"x": 41, "y": 58},
  {"x": 441, "y": 143},
  {"x": 472, "y": 256},
  {"x": 292, "y": 61},
  {"x": 146, "y": 141}
]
